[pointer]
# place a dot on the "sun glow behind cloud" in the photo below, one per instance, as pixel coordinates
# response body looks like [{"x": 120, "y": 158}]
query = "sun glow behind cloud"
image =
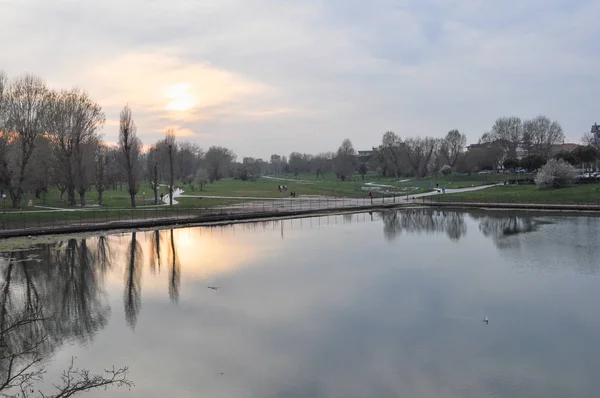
[{"x": 181, "y": 99}]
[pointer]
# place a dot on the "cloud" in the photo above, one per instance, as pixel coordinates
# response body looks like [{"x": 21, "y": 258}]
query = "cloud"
[{"x": 266, "y": 76}]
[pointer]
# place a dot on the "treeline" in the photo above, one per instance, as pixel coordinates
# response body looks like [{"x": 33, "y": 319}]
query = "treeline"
[{"x": 53, "y": 138}]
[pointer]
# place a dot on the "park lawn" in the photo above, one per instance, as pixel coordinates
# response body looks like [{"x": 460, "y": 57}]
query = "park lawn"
[
  {"x": 576, "y": 194},
  {"x": 454, "y": 181}
]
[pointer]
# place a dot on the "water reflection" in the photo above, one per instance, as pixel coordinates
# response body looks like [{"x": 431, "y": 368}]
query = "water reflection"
[
  {"x": 133, "y": 282},
  {"x": 309, "y": 297},
  {"x": 54, "y": 294},
  {"x": 395, "y": 223},
  {"x": 501, "y": 227}
]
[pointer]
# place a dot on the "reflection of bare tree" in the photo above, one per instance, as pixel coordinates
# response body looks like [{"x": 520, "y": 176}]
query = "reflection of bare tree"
[
  {"x": 423, "y": 220},
  {"x": 103, "y": 254},
  {"x": 174, "y": 272},
  {"x": 155, "y": 261},
  {"x": 499, "y": 228},
  {"x": 133, "y": 286},
  {"x": 41, "y": 305},
  {"x": 78, "y": 299}
]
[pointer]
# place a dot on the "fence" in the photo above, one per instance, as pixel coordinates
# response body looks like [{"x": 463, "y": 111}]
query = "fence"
[{"x": 38, "y": 221}]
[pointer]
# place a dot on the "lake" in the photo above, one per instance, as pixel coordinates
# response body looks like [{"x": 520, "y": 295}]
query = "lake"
[{"x": 384, "y": 304}]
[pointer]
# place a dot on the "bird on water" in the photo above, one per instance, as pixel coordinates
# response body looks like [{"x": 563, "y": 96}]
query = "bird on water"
[{"x": 486, "y": 320}]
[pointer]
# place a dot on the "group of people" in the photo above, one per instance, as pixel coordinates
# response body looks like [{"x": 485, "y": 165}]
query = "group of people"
[{"x": 293, "y": 194}]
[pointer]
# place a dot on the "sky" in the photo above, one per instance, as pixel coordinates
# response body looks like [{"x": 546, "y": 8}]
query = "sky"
[{"x": 276, "y": 76}]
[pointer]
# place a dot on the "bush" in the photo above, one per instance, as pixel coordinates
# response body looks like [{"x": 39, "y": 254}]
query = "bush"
[
  {"x": 555, "y": 174},
  {"x": 446, "y": 170}
]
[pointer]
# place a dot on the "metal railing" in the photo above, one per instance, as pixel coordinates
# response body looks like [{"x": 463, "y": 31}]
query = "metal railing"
[{"x": 47, "y": 220}]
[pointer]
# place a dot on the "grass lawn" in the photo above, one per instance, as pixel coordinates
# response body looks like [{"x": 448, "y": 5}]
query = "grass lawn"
[
  {"x": 577, "y": 194},
  {"x": 304, "y": 184}
]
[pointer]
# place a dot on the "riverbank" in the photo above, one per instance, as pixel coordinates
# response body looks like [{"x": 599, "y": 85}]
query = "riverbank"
[
  {"x": 205, "y": 219},
  {"x": 595, "y": 208}
]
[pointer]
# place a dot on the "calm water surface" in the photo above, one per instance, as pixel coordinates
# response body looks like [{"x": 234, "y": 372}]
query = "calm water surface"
[{"x": 365, "y": 305}]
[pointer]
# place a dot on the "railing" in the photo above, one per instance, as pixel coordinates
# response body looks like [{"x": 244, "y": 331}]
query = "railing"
[{"x": 89, "y": 219}]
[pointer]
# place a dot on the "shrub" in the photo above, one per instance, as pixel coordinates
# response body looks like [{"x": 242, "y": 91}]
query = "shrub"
[
  {"x": 556, "y": 174},
  {"x": 446, "y": 170}
]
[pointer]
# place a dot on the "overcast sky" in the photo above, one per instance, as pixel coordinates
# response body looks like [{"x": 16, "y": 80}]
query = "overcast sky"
[{"x": 274, "y": 76}]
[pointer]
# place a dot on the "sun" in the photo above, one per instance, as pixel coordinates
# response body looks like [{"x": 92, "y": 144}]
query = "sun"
[{"x": 180, "y": 98}]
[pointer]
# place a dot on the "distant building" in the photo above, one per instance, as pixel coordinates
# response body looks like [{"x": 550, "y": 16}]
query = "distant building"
[{"x": 566, "y": 147}]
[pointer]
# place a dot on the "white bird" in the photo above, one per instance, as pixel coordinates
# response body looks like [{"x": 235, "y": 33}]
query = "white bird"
[{"x": 486, "y": 320}]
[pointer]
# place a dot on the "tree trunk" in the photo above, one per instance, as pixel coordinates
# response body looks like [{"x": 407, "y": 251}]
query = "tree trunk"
[
  {"x": 82, "y": 198},
  {"x": 71, "y": 195},
  {"x": 100, "y": 197},
  {"x": 44, "y": 197},
  {"x": 132, "y": 200},
  {"x": 16, "y": 198},
  {"x": 171, "y": 179},
  {"x": 155, "y": 189}
]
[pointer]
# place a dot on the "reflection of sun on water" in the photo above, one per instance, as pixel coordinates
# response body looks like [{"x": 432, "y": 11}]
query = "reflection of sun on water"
[{"x": 180, "y": 98}]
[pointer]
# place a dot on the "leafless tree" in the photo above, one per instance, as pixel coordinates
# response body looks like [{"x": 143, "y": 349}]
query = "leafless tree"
[
  {"x": 187, "y": 161},
  {"x": 217, "y": 160},
  {"x": 345, "y": 160},
  {"x": 540, "y": 135},
  {"x": 25, "y": 107},
  {"x": 130, "y": 147},
  {"x": 201, "y": 177},
  {"x": 452, "y": 146},
  {"x": 392, "y": 149},
  {"x": 509, "y": 131},
  {"x": 171, "y": 153},
  {"x": 419, "y": 152},
  {"x": 152, "y": 167},
  {"x": 101, "y": 171},
  {"x": 75, "y": 121},
  {"x": 277, "y": 164}
]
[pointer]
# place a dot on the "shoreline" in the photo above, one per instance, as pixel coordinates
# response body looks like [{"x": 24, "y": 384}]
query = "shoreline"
[{"x": 227, "y": 219}]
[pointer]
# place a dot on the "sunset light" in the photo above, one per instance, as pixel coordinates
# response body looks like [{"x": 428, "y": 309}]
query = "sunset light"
[{"x": 180, "y": 98}]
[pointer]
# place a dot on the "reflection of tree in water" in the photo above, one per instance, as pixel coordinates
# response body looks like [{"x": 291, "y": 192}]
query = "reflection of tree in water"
[
  {"x": 104, "y": 257},
  {"x": 174, "y": 271},
  {"x": 155, "y": 260},
  {"x": 51, "y": 293},
  {"x": 423, "y": 220},
  {"x": 133, "y": 286},
  {"x": 500, "y": 227},
  {"x": 79, "y": 306}
]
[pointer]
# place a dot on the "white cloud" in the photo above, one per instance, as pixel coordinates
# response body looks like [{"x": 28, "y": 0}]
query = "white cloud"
[{"x": 271, "y": 76}]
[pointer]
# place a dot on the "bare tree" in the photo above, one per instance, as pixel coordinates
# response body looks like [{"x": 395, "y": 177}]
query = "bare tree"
[
  {"x": 130, "y": 147},
  {"x": 217, "y": 160},
  {"x": 419, "y": 152},
  {"x": 392, "y": 149},
  {"x": 101, "y": 172},
  {"x": 152, "y": 167},
  {"x": 201, "y": 177},
  {"x": 540, "y": 135},
  {"x": 509, "y": 131},
  {"x": 75, "y": 122},
  {"x": 171, "y": 149},
  {"x": 452, "y": 146},
  {"x": 25, "y": 109},
  {"x": 345, "y": 160}
]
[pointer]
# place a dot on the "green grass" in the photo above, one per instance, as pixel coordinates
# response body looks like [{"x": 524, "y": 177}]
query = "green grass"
[{"x": 577, "y": 194}]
